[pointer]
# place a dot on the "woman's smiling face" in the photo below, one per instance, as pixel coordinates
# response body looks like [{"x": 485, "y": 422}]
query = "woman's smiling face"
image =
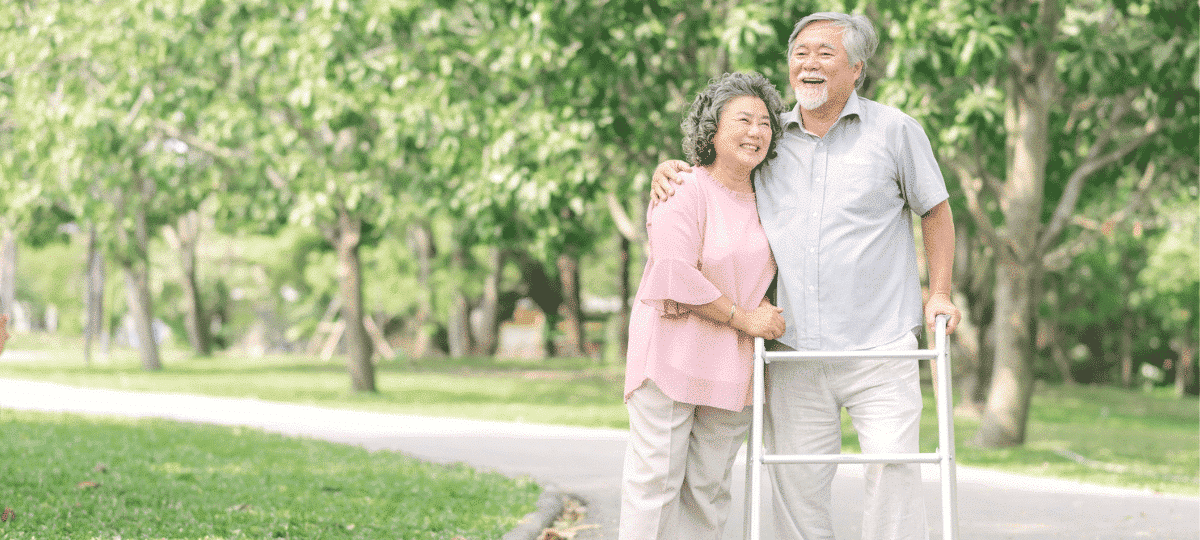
[{"x": 744, "y": 132}]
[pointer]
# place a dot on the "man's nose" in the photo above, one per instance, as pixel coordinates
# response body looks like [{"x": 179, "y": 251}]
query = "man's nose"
[{"x": 808, "y": 62}]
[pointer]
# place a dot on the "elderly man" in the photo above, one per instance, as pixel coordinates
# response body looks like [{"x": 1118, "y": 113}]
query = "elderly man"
[{"x": 837, "y": 207}]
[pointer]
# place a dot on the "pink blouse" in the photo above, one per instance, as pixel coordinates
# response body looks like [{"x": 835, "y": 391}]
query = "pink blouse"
[{"x": 704, "y": 242}]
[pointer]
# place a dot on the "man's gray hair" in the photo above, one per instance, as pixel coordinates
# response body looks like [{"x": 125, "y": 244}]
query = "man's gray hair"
[
  {"x": 700, "y": 123},
  {"x": 858, "y": 37}
]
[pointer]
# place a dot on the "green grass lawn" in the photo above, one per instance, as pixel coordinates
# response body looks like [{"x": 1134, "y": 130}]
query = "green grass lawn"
[
  {"x": 81, "y": 477},
  {"x": 1097, "y": 435}
]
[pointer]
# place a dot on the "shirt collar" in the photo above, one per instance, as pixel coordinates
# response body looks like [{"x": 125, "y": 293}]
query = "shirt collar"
[{"x": 852, "y": 108}]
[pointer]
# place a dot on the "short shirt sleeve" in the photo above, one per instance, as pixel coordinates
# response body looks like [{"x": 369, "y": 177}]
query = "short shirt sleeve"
[{"x": 921, "y": 177}]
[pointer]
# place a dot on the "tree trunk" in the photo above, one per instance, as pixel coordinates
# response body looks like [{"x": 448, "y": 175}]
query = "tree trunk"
[
  {"x": 137, "y": 292},
  {"x": 184, "y": 240},
  {"x": 571, "y": 310},
  {"x": 623, "y": 291},
  {"x": 458, "y": 324},
  {"x": 1127, "y": 350},
  {"x": 1185, "y": 366},
  {"x": 420, "y": 241},
  {"x": 629, "y": 232},
  {"x": 136, "y": 262},
  {"x": 1031, "y": 83},
  {"x": 967, "y": 353},
  {"x": 487, "y": 326},
  {"x": 346, "y": 241},
  {"x": 8, "y": 275},
  {"x": 1060, "y": 356},
  {"x": 93, "y": 296},
  {"x": 969, "y": 348},
  {"x": 574, "y": 342},
  {"x": 1011, "y": 390},
  {"x": 987, "y": 361},
  {"x": 544, "y": 292}
]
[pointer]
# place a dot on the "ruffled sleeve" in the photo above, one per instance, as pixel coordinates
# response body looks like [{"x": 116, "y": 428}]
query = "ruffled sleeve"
[{"x": 675, "y": 230}]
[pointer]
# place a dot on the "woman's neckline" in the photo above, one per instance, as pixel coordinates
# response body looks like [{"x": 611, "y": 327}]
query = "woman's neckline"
[{"x": 717, "y": 182}]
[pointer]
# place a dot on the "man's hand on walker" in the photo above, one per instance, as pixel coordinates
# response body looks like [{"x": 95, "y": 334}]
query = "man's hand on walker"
[
  {"x": 665, "y": 174},
  {"x": 940, "y": 303}
]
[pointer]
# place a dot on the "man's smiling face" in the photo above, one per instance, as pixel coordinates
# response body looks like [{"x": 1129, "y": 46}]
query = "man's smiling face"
[{"x": 819, "y": 68}]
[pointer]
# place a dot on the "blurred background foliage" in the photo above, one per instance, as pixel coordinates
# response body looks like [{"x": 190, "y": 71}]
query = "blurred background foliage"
[{"x": 386, "y": 179}]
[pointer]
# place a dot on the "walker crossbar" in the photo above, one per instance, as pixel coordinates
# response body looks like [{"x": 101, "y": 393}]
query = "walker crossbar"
[
  {"x": 944, "y": 456},
  {"x": 777, "y": 459},
  {"x": 917, "y": 354}
]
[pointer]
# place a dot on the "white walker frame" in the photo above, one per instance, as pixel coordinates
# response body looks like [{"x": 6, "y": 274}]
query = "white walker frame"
[{"x": 944, "y": 455}]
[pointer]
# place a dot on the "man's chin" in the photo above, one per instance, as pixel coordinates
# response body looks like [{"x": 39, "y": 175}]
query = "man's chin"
[
  {"x": 811, "y": 104},
  {"x": 808, "y": 101}
]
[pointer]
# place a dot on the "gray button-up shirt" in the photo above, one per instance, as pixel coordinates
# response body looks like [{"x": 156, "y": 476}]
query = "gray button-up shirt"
[{"x": 838, "y": 214}]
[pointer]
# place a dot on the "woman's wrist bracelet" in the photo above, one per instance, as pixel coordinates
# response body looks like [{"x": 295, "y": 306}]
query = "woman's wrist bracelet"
[{"x": 732, "y": 312}]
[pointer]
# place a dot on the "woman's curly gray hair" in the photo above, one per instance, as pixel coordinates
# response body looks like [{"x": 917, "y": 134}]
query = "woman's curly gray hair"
[{"x": 700, "y": 124}]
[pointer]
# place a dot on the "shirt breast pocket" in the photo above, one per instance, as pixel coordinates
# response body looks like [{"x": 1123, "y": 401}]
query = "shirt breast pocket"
[{"x": 866, "y": 186}]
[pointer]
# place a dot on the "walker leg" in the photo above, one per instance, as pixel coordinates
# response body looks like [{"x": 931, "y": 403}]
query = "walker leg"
[
  {"x": 945, "y": 410},
  {"x": 754, "y": 452}
]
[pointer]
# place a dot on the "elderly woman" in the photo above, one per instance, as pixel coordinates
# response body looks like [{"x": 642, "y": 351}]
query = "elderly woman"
[{"x": 701, "y": 302}]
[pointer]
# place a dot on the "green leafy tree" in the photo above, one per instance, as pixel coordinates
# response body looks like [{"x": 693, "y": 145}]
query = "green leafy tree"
[
  {"x": 1033, "y": 104},
  {"x": 349, "y": 125},
  {"x": 25, "y": 212},
  {"x": 576, "y": 102},
  {"x": 97, "y": 82},
  {"x": 1171, "y": 279}
]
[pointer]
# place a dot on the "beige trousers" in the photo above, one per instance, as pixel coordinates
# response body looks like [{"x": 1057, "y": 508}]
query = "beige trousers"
[
  {"x": 803, "y": 416},
  {"x": 678, "y": 467}
]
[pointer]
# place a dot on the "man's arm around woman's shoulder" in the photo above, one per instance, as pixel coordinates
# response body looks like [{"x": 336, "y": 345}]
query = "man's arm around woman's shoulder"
[{"x": 666, "y": 176}]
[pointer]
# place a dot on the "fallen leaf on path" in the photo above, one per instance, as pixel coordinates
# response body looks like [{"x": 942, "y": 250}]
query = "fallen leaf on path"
[{"x": 565, "y": 534}]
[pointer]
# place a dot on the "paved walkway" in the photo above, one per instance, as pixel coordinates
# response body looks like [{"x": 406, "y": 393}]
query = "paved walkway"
[{"x": 587, "y": 463}]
